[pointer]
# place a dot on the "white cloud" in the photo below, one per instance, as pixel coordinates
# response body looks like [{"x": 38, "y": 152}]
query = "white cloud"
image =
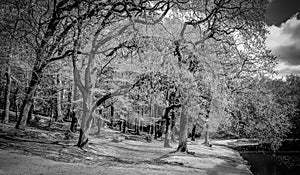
[
  {"x": 284, "y": 69},
  {"x": 284, "y": 35},
  {"x": 284, "y": 41}
]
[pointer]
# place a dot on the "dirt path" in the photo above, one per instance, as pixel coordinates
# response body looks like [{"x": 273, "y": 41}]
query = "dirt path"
[{"x": 20, "y": 154}]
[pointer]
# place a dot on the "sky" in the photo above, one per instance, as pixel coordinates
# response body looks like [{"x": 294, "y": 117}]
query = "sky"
[{"x": 284, "y": 38}]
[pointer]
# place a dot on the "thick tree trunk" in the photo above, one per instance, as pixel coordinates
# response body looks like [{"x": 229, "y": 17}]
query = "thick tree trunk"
[
  {"x": 150, "y": 131},
  {"x": 125, "y": 125},
  {"x": 74, "y": 121},
  {"x": 83, "y": 138},
  {"x": 30, "y": 114},
  {"x": 169, "y": 109},
  {"x": 73, "y": 97},
  {"x": 193, "y": 132},
  {"x": 59, "y": 99},
  {"x": 121, "y": 125},
  {"x": 167, "y": 134},
  {"x": 83, "y": 135},
  {"x": 7, "y": 93},
  {"x": 86, "y": 120},
  {"x": 26, "y": 104},
  {"x": 206, "y": 132},
  {"x": 173, "y": 129},
  {"x": 206, "y": 137},
  {"x": 137, "y": 126},
  {"x": 25, "y": 108},
  {"x": 182, "y": 147}
]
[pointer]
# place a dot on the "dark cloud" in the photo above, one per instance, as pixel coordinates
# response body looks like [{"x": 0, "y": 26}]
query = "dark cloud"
[
  {"x": 279, "y": 11},
  {"x": 288, "y": 54}
]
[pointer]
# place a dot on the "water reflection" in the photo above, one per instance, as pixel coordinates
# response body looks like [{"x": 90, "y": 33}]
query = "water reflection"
[{"x": 268, "y": 164}]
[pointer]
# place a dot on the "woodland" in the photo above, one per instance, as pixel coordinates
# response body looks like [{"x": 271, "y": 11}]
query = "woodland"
[{"x": 172, "y": 70}]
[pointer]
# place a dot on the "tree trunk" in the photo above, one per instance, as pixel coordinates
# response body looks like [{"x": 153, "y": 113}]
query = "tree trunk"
[
  {"x": 193, "y": 132},
  {"x": 25, "y": 108},
  {"x": 69, "y": 96},
  {"x": 155, "y": 130},
  {"x": 167, "y": 133},
  {"x": 86, "y": 119},
  {"x": 26, "y": 104},
  {"x": 16, "y": 103},
  {"x": 99, "y": 124},
  {"x": 125, "y": 125},
  {"x": 206, "y": 133},
  {"x": 74, "y": 121},
  {"x": 73, "y": 97},
  {"x": 83, "y": 138},
  {"x": 7, "y": 93},
  {"x": 121, "y": 125},
  {"x": 173, "y": 129},
  {"x": 206, "y": 137},
  {"x": 150, "y": 131},
  {"x": 137, "y": 127},
  {"x": 59, "y": 99},
  {"x": 112, "y": 111},
  {"x": 30, "y": 114},
  {"x": 182, "y": 147}
]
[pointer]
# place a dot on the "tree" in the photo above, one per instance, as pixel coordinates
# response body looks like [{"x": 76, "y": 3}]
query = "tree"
[
  {"x": 11, "y": 32},
  {"x": 213, "y": 23},
  {"x": 104, "y": 45},
  {"x": 55, "y": 22},
  {"x": 259, "y": 115}
]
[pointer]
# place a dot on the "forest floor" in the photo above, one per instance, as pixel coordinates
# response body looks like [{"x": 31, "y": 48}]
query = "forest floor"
[{"x": 43, "y": 150}]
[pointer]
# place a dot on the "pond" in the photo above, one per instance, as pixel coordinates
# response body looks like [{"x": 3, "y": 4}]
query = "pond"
[{"x": 269, "y": 164}]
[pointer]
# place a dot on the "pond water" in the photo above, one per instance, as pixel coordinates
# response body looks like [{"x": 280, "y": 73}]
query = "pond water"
[{"x": 269, "y": 164}]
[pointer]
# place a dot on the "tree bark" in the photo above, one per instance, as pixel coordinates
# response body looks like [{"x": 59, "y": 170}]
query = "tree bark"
[
  {"x": 173, "y": 128},
  {"x": 69, "y": 96},
  {"x": 206, "y": 134},
  {"x": 99, "y": 124},
  {"x": 121, "y": 125},
  {"x": 83, "y": 138},
  {"x": 30, "y": 114},
  {"x": 27, "y": 102},
  {"x": 73, "y": 96},
  {"x": 86, "y": 119},
  {"x": 167, "y": 133},
  {"x": 182, "y": 147},
  {"x": 193, "y": 132},
  {"x": 74, "y": 121},
  {"x": 137, "y": 127},
  {"x": 125, "y": 125},
  {"x": 7, "y": 93}
]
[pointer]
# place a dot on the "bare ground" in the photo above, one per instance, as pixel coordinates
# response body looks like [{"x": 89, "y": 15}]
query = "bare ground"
[{"x": 42, "y": 150}]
